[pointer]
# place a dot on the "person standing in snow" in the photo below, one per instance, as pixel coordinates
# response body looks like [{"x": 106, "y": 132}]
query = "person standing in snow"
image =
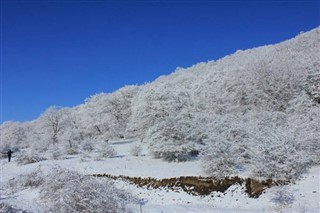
[{"x": 9, "y": 155}]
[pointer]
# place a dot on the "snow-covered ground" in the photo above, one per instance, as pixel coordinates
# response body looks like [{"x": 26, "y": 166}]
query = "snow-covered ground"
[{"x": 305, "y": 192}]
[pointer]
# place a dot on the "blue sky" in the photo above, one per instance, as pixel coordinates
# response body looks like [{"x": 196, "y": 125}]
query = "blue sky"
[{"x": 59, "y": 52}]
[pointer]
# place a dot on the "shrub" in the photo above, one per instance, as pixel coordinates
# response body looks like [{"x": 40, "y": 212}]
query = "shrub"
[
  {"x": 106, "y": 151},
  {"x": 30, "y": 180},
  {"x": 55, "y": 152},
  {"x": 24, "y": 158},
  {"x": 87, "y": 146},
  {"x": 136, "y": 150},
  {"x": 72, "y": 150},
  {"x": 69, "y": 191},
  {"x": 283, "y": 198},
  {"x": 63, "y": 190},
  {"x": 4, "y": 207},
  {"x": 84, "y": 157},
  {"x": 175, "y": 156}
]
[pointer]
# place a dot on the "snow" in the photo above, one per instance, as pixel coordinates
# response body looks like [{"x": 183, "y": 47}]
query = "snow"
[{"x": 305, "y": 191}]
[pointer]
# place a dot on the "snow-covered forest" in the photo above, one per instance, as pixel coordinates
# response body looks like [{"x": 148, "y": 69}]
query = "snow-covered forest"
[{"x": 255, "y": 113}]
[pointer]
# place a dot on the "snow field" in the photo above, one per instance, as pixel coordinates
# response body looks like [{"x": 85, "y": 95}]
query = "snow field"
[{"x": 305, "y": 191}]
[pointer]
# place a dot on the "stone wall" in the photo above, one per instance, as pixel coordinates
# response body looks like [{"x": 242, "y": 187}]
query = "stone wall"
[{"x": 200, "y": 186}]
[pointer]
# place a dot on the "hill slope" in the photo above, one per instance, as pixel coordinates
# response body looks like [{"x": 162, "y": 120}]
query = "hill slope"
[{"x": 255, "y": 107}]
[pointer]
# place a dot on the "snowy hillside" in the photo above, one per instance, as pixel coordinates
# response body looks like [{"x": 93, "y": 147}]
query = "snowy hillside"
[{"x": 253, "y": 114}]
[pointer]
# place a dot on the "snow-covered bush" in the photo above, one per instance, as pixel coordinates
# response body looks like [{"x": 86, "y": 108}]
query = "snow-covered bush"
[
  {"x": 71, "y": 150},
  {"x": 87, "y": 146},
  {"x": 106, "y": 151},
  {"x": 85, "y": 156},
  {"x": 175, "y": 156},
  {"x": 41, "y": 145},
  {"x": 63, "y": 190},
  {"x": 68, "y": 191},
  {"x": 24, "y": 158},
  {"x": 283, "y": 197},
  {"x": 55, "y": 152},
  {"x": 136, "y": 150},
  {"x": 33, "y": 179},
  {"x": 4, "y": 207}
]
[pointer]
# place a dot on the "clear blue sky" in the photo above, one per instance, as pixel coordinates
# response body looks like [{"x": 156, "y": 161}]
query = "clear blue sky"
[{"x": 59, "y": 52}]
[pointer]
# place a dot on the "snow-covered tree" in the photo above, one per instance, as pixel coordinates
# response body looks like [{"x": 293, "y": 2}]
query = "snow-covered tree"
[
  {"x": 105, "y": 116},
  {"x": 176, "y": 137},
  {"x": 13, "y": 135},
  {"x": 54, "y": 121}
]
